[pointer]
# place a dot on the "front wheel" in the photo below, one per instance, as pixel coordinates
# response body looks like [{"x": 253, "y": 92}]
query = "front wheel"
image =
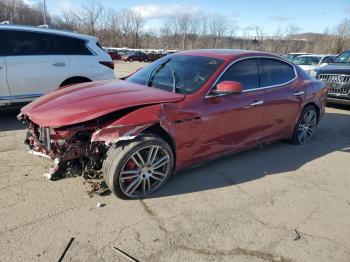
[
  {"x": 305, "y": 126},
  {"x": 139, "y": 168}
]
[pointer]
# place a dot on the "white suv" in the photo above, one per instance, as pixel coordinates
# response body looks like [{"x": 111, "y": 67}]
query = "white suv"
[{"x": 35, "y": 61}]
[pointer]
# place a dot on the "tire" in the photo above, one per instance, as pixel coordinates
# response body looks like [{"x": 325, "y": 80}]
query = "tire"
[
  {"x": 131, "y": 60},
  {"x": 128, "y": 179},
  {"x": 305, "y": 127}
]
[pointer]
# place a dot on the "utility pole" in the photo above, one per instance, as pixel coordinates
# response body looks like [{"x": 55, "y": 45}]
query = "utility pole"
[{"x": 44, "y": 12}]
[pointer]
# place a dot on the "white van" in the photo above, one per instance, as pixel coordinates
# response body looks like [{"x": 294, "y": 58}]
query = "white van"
[{"x": 35, "y": 61}]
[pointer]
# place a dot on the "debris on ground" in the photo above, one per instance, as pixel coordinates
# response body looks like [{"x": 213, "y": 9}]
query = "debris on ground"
[
  {"x": 66, "y": 249},
  {"x": 99, "y": 204},
  {"x": 297, "y": 237},
  {"x": 97, "y": 188},
  {"x": 48, "y": 176},
  {"x": 127, "y": 256}
]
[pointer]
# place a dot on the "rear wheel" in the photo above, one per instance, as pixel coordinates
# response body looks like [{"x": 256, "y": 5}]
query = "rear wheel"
[
  {"x": 138, "y": 168},
  {"x": 306, "y": 126}
]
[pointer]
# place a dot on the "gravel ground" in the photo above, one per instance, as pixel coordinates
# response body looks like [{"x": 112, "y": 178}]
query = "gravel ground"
[{"x": 245, "y": 207}]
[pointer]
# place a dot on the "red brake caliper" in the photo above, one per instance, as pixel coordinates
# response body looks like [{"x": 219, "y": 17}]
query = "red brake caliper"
[{"x": 130, "y": 166}]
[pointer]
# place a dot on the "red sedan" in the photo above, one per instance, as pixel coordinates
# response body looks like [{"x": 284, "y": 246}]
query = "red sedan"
[
  {"x": 135, "y": 56},
  {"x": 183, "y": 109}
]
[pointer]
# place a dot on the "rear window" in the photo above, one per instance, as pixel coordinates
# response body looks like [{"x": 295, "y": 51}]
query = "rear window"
[
  {"x": 104, "y": 49},
  {"x": 275, "y": 72},
  {"x": 36, "y": 43}
]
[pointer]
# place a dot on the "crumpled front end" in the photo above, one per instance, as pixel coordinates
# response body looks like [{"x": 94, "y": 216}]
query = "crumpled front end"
[
  {"x": 81, "y": 148},
  {"x": 70, "y": 148}
]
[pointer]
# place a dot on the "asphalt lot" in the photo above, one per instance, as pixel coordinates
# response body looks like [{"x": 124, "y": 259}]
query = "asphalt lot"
[{"x": 244, "y": 207}]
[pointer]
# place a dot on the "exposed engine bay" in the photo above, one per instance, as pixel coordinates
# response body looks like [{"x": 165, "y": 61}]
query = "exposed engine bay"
[{"x": 80, "y": 149}]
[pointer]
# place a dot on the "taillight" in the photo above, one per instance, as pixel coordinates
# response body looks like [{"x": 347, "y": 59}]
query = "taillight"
[{"x": 108, "y": 64}]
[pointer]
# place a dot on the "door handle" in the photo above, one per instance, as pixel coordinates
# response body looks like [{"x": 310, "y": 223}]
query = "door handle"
[
  {"x": 255, "y": 103},
  {"x": 300, "y": 93},
  {"x": 59, "y": 64}
]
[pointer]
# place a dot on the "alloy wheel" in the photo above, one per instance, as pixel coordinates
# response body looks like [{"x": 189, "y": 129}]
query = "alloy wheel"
[
  {"x": 307, "y": 126},
  {"x": 144, "y": 171}
]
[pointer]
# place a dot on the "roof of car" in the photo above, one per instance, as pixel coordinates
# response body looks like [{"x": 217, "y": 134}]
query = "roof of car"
[
  {"x": 222, "y": 53},
  {"x": 316, "y": 55},
  {"x": 46, "y": 30}
]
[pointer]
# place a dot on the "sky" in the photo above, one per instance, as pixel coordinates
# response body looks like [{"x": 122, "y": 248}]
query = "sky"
[{"x": 308, "y": 15}]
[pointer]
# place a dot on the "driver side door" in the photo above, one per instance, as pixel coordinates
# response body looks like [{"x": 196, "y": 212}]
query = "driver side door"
[
  {"x": 234, "y": 121},
  {"x": 230, "y": 122}
]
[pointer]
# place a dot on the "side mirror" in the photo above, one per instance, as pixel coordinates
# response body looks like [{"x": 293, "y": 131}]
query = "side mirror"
[{"x": 229, "y": 87}]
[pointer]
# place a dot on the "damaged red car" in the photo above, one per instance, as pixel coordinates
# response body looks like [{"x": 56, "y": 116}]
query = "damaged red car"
[{"x": 181, "y": 110}]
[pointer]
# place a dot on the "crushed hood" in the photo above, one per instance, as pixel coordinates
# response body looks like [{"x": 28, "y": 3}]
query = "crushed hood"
[{"x": 88, "y": 101}]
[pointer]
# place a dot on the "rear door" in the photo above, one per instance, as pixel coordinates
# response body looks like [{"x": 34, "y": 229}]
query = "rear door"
[
  {"x": 34, "y": 65},
  {"x": 284, "y": 98}
]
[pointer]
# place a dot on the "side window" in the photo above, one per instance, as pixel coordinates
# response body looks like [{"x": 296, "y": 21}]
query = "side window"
[
  {"x": 36, "y": 43},
  {"x": 327, "y": 59},
  {"x": 275, "y": 72},
  {"x": 72, "y": 46},
  {"x": 245, "y": 72},
  {"x": 27, "y": 43},
  {"x": 3, "y": 44}
]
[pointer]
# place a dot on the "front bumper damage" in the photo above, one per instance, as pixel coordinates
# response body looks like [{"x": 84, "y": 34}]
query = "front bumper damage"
[
  {"x": 72, "y": 152},
  {"x": 76, "y": 150}
]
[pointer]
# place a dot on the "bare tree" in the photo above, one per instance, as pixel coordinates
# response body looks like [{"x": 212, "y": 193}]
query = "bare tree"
[
  {"x": 17, "y": 12},
  {"x": 131, "y": 24},
  {"x": 183, "y": 24},
  {"x": 218, "y": 26},
  {"x": 125, "y": 27},
  {"x": 291, "y": 30},
  {"x": 167, "y": 34},
  {"x": 342, "y": 32},
  {"x": 89, "y": 15},
  {"x": 137, "y": 26}
]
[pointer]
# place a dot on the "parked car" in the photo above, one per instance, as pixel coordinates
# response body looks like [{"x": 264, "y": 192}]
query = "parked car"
[
  {"x": 337, "y": 77},
  {"x": 135, "y": 56},
  {"x": 181, "y": 110},
  {"x": 292, "y": 56},
  {"x": 311, "y": 62},
  {"x": 113, "y": 53},
  {"x": 35, "y": 61},
  {"x": 154, "y": 56}
]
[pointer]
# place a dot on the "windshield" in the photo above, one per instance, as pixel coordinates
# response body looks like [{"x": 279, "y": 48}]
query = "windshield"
[
  {"x": 291, "y": 57},
  {"x": 177, "y": 73},
  {"x": 343, "y": 58},
  {"x": 307, "y": 60}
]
